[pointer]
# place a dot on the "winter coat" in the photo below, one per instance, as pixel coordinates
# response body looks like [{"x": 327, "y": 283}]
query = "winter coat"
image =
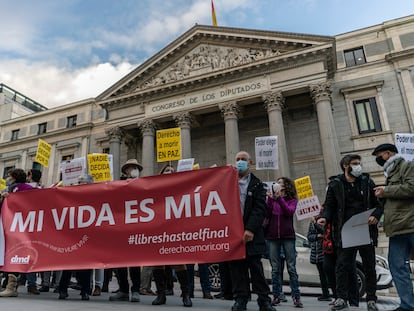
[
  {"x": 315, "y": 239},
  {"x": 399, "y": 199},
  {"x": 279, "y": 216},
  {"x": 254, "y": 214},
  {"x": 334, "y": 206}
]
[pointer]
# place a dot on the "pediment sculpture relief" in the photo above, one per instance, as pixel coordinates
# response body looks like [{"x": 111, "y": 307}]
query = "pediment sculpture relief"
[{"x": 207, "y": 58}]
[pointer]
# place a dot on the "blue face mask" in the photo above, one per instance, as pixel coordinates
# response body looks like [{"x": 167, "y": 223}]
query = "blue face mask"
[{"x": 241, "y": 166}]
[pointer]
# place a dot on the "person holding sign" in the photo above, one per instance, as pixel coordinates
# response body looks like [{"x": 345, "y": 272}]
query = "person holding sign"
[
  {"x": 130, "y": 170},
  {"x": 398, "y": 195},
  {"x": 281, "y": 207},
  {"x": 253, "y": 207},
  {"x": 349, "y": 194}
]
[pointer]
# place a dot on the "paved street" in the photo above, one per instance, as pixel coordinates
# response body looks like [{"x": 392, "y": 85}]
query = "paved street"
[{"x": 49, "y": 302}]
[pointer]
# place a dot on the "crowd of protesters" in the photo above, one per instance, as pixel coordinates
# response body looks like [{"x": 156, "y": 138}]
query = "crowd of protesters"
[{"x": 268, "y": 220}]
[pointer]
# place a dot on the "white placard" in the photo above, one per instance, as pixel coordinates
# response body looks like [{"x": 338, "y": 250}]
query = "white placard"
[
  {"x": 309, "y": 207},
  {"x": 72, "y": 169},
  {"x": 355, "y": 231},
  {"x": 185, "y": 165},
  {"x": 405, "y": 145},
  {"x": 266, "y": 153}
]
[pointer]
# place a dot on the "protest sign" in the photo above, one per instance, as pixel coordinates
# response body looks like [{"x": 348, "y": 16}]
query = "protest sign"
[
  {"x": 266, "y": 153},
  {"x": 169, "y": 144},
  {"x": 303, "y": 187},
  {"x": 195, "y": 218},
  {"x": 185, "y": 165},
  {"x": 72, "y": 169},
  {"x": 308, "y": 207},
  {"x": 99, "y": 167},
  {"x": 43, "y": 153},
  {"x": 405, "y": 145},
  {"x": 2, "y": 183}
]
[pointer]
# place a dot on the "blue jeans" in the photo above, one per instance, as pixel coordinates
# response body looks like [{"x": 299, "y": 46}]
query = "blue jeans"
[
  {"x": 398, "y": 257},
  {"x": 275, "y": 261}
]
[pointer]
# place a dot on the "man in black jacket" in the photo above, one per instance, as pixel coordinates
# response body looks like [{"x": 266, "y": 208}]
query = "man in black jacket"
[
  {"x": 349, "y": 194},
  {"x": 253, "y": 207}
]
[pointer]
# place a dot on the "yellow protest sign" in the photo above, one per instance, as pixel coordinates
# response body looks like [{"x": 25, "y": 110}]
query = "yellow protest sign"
[
  {"x": 43, "y": 153},
  {"x": 304, "y": 187},
  {"x": 99, "y": 167},
  {"x": 2, "y": 183},
  {"x": 169, "y": 144}
]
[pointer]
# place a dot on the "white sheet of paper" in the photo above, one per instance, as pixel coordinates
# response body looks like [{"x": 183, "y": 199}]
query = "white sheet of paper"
[{"x": 355, "y": 231}]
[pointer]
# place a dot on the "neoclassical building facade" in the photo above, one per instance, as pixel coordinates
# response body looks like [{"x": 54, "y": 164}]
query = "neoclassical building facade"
[{"x": 323, "y": 96}]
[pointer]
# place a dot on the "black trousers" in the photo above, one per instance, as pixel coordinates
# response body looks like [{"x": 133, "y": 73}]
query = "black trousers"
[
  {"x": 329, "y": 266},
  {"x": 135, "y": 275},
  {"x": 367, "y": 253},
  {"x": 83, "y": 277},
  {"x": 239, "y": 271},
  {"x": 323, "y": 279},
  {"x": 346, "y": 278}
]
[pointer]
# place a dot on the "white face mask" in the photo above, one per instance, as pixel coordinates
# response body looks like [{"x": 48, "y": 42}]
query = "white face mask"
[
  {"x": 356, "y": 170},
  {"x": 134, "y": 173}
]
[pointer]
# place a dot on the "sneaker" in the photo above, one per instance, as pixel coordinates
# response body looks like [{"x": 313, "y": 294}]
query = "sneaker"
[
  {"x": 339, "y": 305},
  {"x": 282, "y": 298},
  {"x": 372, "y": 306},
  {"x": 119, "y": 296},
  {"x": 275, "y": 301},
  {"x": 324, "y": 298},
  {"x": 135, "y": 297},
  {"x": 297, "y": 303}
]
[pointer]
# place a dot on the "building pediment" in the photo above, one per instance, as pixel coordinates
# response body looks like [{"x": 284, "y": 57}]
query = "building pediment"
[{"x": 206, "y": 51}]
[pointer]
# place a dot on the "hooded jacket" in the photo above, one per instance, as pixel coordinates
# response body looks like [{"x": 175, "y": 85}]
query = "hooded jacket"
[
  {"x": 334, "y": 206},
  {"x": 279, "y": 214}
]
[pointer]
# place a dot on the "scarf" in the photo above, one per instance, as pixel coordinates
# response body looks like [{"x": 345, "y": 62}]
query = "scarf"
[{"x": 389, "y": 165}]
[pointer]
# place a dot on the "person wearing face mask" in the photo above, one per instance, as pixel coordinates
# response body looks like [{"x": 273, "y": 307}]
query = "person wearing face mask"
[
  {"x": 281, "y": 207},
  {"x": 348, "y": 194},
  {"x": 253, "y": 209},
  {"x": 130, "y": 170},
  {"x": 398, "y": 195}
]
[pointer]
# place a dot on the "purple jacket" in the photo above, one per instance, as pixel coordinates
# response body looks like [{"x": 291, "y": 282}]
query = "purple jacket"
[
  {"x": 280, "y": 215},
  {"x": 20, "y": 187}
]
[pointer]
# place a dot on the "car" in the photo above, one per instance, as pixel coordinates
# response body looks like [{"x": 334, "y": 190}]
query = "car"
[{"x": 308, "y": 273}]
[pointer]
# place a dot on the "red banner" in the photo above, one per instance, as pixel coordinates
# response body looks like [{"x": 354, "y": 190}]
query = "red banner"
[{"x": 188, "y": 217}]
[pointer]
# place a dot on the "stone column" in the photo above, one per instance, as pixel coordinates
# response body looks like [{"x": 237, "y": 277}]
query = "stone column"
[
  {"x": 274, "y": 104},
  {"x": 147, "y": 128},
  {"x": 115, "y": 138},
  {"x": 321, "y": 95},
  {"x": 183, "y": 121},
  {"x": 230, "y": 112}
]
